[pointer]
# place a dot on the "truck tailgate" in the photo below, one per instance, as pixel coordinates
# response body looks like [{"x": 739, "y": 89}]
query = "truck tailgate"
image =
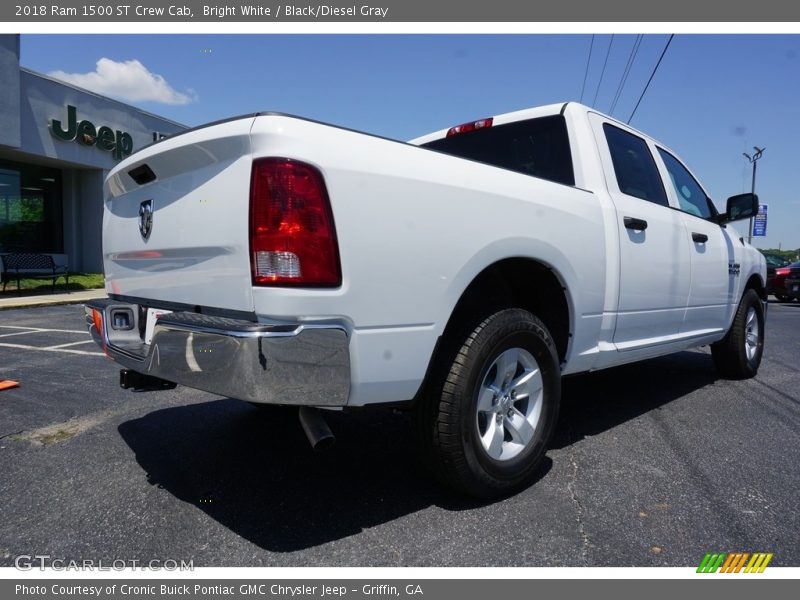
[{"x": 175, "y": 225}]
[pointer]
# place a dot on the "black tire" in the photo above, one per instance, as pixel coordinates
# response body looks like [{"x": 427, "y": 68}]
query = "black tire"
[
  {"x": 447, "y": 418},
  {"x": 731, "y": 356},
  {"x": 782, "y": 298}
]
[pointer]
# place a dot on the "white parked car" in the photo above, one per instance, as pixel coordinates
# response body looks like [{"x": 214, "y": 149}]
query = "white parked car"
[{"x": 283, "y": 261}]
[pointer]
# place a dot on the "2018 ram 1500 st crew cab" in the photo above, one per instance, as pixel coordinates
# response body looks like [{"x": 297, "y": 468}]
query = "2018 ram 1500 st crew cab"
[{"x": 283, "y": 261}]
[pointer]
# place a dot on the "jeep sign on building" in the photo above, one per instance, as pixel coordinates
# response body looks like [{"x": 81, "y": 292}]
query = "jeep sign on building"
[
  {"x": 119, "y": 143},
  {"x": 57, "y": 143}
]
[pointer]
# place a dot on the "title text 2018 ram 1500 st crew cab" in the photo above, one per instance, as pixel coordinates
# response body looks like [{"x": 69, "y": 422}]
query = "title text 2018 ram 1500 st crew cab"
[{"x": 283, "y": 261}]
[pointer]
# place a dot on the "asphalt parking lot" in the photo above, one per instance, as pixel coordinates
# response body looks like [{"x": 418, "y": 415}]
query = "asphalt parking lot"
[{"x": 652, "y": 464}]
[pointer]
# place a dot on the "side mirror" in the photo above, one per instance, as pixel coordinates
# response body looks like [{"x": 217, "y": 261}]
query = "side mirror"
[{"x": 741, "y": 206}]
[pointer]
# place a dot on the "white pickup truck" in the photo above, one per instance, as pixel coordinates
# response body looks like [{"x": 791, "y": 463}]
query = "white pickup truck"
[{"x": 279, "y": 260}]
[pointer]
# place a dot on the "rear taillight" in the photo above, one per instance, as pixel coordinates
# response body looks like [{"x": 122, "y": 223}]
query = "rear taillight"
[
  {"x": 97, "y": 319},
  {"x": 292, "y": 235},
  {"x": 782, "y": 272},
  {"x": 472, "y": 126}
]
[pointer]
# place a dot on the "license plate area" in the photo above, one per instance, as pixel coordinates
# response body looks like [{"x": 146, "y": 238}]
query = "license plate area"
[{"x": 152, "y": 317}]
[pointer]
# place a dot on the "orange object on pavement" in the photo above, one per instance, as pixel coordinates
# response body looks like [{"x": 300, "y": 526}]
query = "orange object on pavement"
[{"x": 7, "y": 384}]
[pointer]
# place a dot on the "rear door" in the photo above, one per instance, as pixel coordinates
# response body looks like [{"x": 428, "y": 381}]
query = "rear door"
[{"x": 654, "y": 256}]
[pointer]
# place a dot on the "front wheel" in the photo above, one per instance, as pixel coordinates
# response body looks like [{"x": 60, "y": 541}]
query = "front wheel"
[
  {"x": 738, "y": 354},
  {"x": 485, "y": 422}
]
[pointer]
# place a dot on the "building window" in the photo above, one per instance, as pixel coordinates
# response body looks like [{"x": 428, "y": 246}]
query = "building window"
[{"x": 30, "y": 209}]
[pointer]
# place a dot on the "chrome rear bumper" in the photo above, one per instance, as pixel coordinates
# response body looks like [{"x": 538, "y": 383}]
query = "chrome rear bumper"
[{"x": 272, "y": 363}]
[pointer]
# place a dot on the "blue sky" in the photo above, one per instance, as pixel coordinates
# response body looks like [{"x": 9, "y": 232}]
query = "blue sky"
[{"x": 713, "y": 97}]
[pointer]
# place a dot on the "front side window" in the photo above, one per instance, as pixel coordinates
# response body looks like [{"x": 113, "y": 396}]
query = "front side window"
[
  {"x": 691, "y": 197},
  {"x": 636, "y": 171},
  {"x": 536, "y": 147}
]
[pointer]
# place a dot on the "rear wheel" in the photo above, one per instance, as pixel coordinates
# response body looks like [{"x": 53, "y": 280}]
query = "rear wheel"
[
  {"x": 485, "y": 422},
  {"x": 738, "y": 354}
]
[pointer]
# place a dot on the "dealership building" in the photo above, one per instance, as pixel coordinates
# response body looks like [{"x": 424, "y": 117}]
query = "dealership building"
[{"x": 57, "y": 144}]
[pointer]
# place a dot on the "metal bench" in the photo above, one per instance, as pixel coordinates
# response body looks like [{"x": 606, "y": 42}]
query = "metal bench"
[{"x": 22, "y": 265}]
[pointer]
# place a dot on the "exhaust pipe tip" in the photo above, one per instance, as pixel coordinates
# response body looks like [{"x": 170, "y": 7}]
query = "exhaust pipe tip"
[
  {"x": 316, "y": 428},
  {"x": 324, "y": 444}
]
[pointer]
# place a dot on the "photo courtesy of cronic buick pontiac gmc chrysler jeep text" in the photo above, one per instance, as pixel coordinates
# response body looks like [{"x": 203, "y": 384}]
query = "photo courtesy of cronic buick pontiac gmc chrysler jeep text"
[{"x": 279, "y": 260}]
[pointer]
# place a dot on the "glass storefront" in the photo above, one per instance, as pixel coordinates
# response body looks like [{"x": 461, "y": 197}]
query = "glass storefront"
[{"x": 30, "y": 209}]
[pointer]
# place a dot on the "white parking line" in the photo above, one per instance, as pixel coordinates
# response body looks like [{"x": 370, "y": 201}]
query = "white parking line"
[
  {"x": 70, "y": 344},
  {"x": 42, "y": 329},
  {"x": 51, "y": 349},
  {"x": 3, "y": 335}
]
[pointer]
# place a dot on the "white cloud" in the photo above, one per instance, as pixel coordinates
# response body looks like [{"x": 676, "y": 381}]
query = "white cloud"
[{"x": 127, "y": 80}]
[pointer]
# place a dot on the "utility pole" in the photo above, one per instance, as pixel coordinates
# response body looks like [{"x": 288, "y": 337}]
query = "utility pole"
[{"x": 753, "y": 161}]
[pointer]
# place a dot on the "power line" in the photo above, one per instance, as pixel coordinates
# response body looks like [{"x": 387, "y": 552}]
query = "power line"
[
  {"x": 594, "y": 102},
  {"x": 629, "y": 65},
  {"x": 631, "y": 57},
  {"x": 586, "y": 73},
  {"x": 663, "y": 52}
]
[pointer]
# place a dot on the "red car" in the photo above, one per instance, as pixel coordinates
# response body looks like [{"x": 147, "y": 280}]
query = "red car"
[
  {"x": 793, "y": 284},
  {"x": 777, "y": 271}
]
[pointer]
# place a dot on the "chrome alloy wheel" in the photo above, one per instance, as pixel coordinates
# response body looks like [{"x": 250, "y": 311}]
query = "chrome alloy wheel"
[
  {"x": 509, "y": 404},
  {"x": 751, "y": 333}
]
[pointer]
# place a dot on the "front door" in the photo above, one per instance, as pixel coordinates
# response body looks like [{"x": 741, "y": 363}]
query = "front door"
[{"x": 710, "y": 250}]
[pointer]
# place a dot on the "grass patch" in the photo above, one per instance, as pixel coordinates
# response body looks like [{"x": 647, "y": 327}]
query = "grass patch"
[
  {"x": 55, "y": 437},
  {"x": 60, "y": 432},
  {"x": 77, "y": 282}
]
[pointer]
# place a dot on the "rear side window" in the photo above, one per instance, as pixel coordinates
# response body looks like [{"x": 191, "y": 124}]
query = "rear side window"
[
  {"x": 636, "y": 171},
  {"x": 536, "y": 147}
]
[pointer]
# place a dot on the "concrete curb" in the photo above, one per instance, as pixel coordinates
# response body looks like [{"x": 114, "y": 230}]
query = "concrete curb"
[{"x": 51, "y": 299}]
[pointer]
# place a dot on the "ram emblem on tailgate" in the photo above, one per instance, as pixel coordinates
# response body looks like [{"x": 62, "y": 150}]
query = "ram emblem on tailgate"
[{"x": 146, "y": 218}]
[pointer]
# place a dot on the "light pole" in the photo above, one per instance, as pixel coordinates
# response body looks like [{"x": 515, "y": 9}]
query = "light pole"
[{"x": 753, "y": 161}]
